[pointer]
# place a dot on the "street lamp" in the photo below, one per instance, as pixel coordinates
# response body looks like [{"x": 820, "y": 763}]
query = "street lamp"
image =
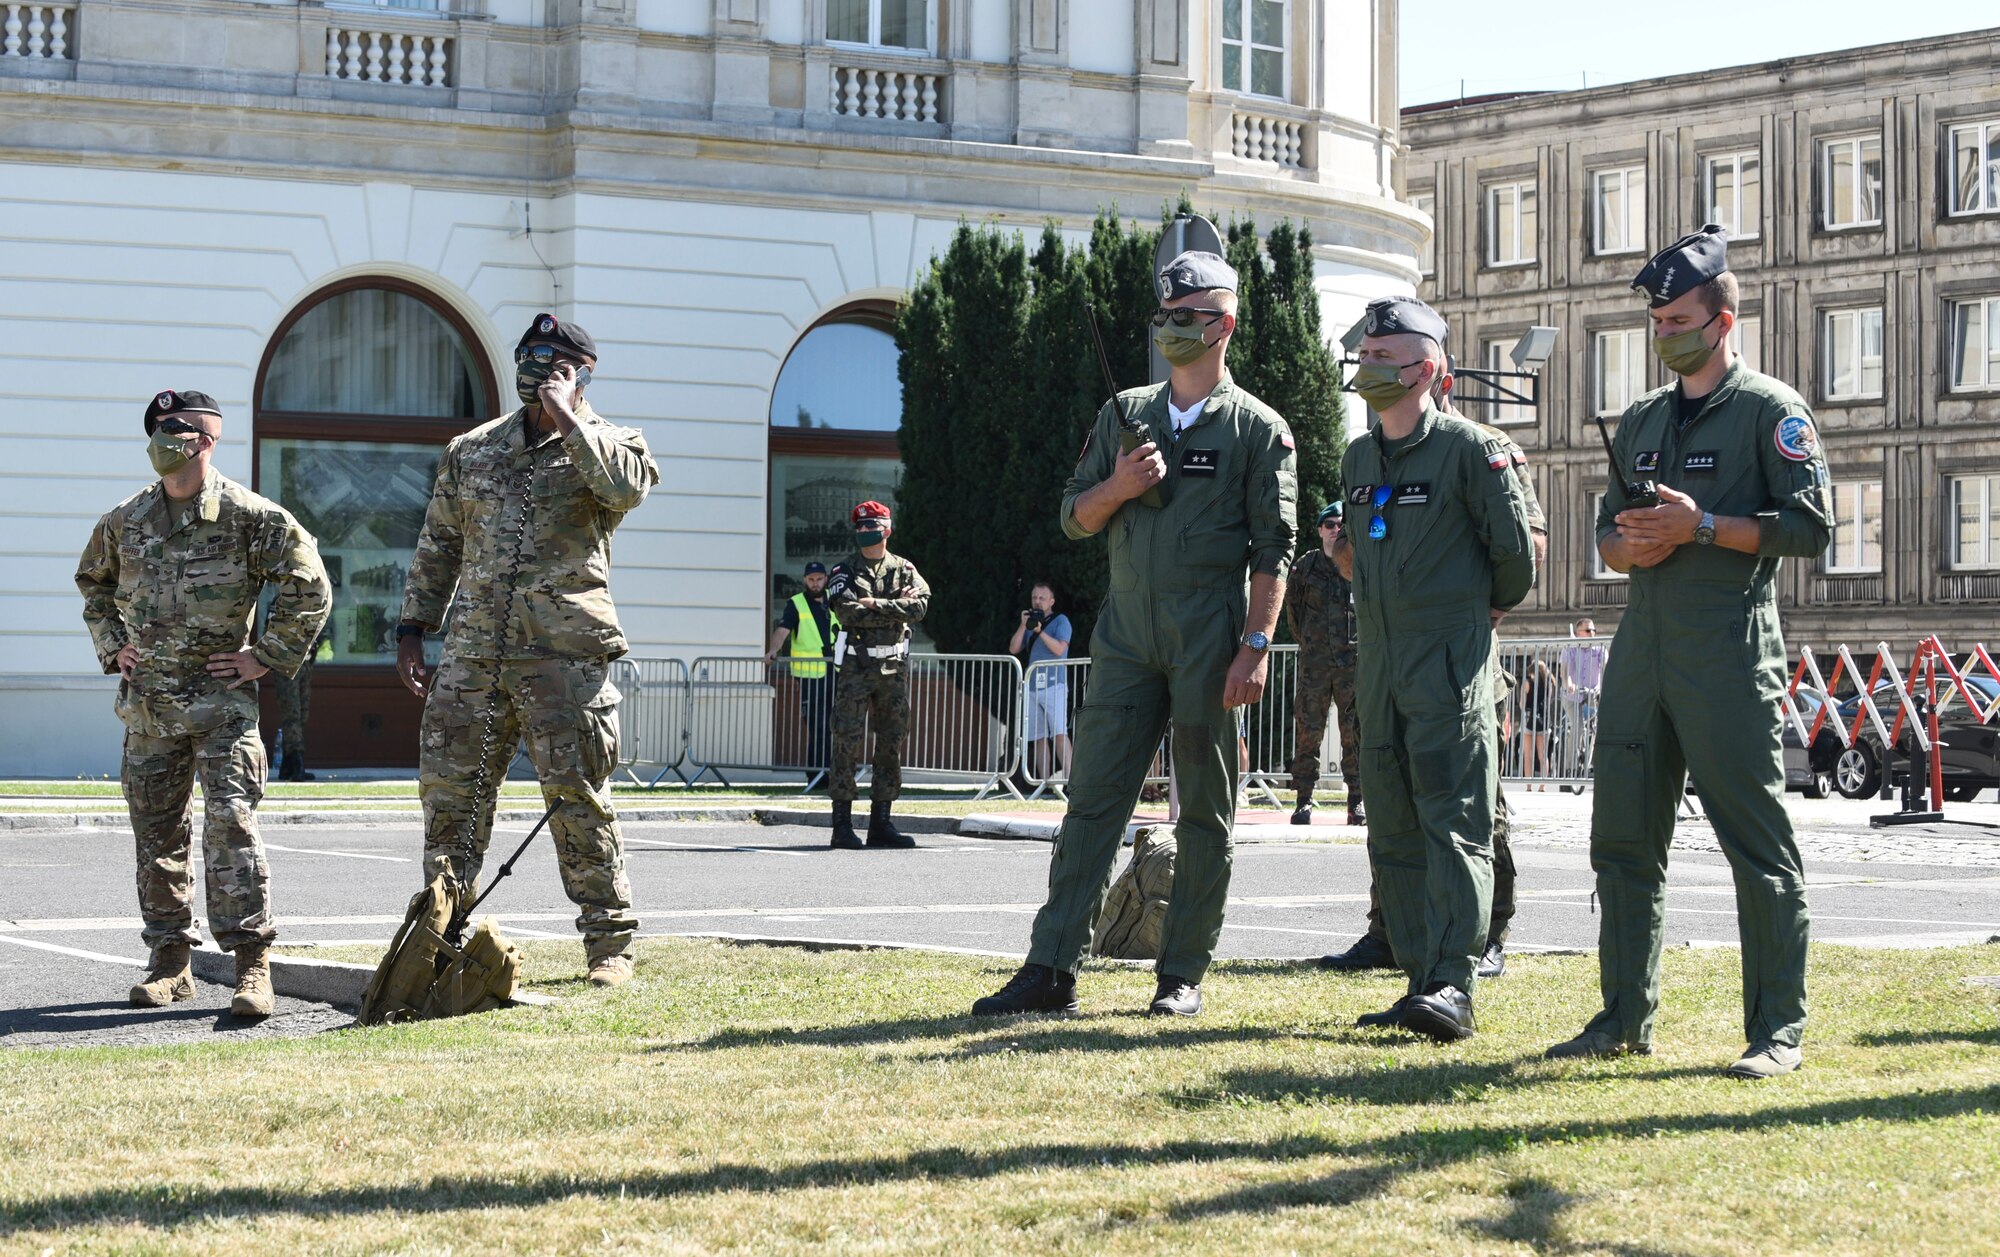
[{"x": 1530, "y": 354}]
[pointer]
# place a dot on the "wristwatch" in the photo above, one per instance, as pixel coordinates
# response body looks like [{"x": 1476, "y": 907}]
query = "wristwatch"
[
  {"x": 1704, "y": 532},
  {"x": 1257, "y": 641}
]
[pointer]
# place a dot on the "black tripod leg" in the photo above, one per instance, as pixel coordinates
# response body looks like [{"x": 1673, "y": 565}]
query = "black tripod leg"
[{"x": 458, "y": 924}]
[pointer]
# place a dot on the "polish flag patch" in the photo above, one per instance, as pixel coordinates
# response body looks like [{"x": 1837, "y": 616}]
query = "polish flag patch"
[{"x": 1497, "y": 458}]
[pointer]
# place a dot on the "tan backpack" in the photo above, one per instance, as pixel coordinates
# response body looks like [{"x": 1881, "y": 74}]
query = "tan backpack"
[
  {"x": 425, "y": 976},
  {"x": 1135, "y": 909}
]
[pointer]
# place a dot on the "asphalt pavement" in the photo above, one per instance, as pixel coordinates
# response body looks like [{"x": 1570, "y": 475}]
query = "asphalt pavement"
[{"x": 69, "y": 930}]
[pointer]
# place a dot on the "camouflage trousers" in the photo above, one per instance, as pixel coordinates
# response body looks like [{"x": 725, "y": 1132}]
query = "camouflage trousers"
[
  {"x": 158, "y": 776},
  {"x": 866, "y": 696},
  {"x": 294, "y": 704},
  {"x": 1321, "y": 684},
  {"x": 568, "y": 711}
]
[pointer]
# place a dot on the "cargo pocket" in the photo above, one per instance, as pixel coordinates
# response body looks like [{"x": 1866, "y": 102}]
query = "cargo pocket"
[
  {"x": 1623, "y": 794},
  {"x": 1387, "y": 788}
]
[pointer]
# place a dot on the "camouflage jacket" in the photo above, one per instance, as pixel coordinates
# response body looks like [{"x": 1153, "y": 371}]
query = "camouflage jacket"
[
  {"x": 182, "y": 592},
  {"x": 522, "y": 533},
  {"x": 901, "y": 598},
  {"x": 1319, "y": 609}
]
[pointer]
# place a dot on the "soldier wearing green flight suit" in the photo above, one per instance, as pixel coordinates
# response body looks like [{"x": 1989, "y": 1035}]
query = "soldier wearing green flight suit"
[
  {"x": 1196, "y": 584},
  {"x": 1693, "y": 684},
  {"x": 170, "y": 580},
  {"x": 1371, "y": 950},
  {"x": 1442, "y": 550}
]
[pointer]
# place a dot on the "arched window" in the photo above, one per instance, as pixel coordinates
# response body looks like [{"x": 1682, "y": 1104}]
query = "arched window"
[
  {"x": 359, "y": 390},
  {"x": 834, "y": 413}
]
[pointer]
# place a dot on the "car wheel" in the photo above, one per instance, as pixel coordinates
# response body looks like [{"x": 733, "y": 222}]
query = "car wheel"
[
  {"x": 1961, "y": 794},
  {"x": 1819, "y": 783},
  {"x": 1855, "y": 774}
]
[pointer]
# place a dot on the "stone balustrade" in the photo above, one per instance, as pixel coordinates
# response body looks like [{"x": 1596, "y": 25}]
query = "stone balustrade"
[
  {"x": 894, "y": 95},
  {"x": 362, "y": 55},
  {"x": 1263, "y": 138},
  {"x": 38, "y": 32}
]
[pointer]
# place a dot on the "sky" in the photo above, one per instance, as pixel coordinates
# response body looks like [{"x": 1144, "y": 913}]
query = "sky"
[{"x": 1559, "y": 45}]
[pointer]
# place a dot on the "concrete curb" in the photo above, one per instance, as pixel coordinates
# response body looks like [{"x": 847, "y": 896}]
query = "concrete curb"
[
  {"x": 335, "y": 982},
  {"x": 31, "y": 821}
]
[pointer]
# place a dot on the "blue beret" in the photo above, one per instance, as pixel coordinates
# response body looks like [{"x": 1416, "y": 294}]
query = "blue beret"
[
  {"x": 815, "y": 567},
  {"x": 1684, "y": 265},
  {"x": 547, "y": 327},
  {"x": 179, "y": 401},
  {"x": 1396, "y": 316},
  {"x": 1332, "y": 510},
  {"x": 1195, "y": 272}
]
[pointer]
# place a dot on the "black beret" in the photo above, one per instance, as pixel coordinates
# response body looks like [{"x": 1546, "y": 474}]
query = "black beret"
[
  {"x": 1332, "y": 510},
  {"x": 1195, "y": 271},
  {"x": 176, "y": 401},
  {"x": 1684, "y": 265},
  {"x": 547, "y": 327},
  {"x": 1397, "y": 316}
]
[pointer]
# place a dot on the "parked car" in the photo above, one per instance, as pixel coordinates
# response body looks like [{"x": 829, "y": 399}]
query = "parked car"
[
  {"x": 1969, "y": 751},
  {"x": 1813, "y": 774}
]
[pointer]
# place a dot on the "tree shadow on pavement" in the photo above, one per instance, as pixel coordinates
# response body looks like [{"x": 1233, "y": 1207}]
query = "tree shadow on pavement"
[{"x": 1379, "y": 1163}]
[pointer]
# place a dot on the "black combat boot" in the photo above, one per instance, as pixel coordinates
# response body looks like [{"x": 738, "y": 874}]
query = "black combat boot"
[
  {"x": 882, "y": 832},
  {"x": 1032, "y": 989},
  {"x": 1442, "y": 1012},
  {"x": 293, "y": 767},
  {"x": 1303, "y": 813},
  {"x": 1175, "y": 997},
  {"x": 1368, "y": 952},
  {"x": 844, "y": 836}
]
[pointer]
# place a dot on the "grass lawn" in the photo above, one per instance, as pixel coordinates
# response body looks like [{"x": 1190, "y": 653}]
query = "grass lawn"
[{"x": 758, "y": 1100}]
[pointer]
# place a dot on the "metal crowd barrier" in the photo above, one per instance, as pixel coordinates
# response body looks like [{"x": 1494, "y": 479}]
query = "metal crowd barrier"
[
  {"x": 1548, "y": 728},
  {"x": 652, "y": 718}
]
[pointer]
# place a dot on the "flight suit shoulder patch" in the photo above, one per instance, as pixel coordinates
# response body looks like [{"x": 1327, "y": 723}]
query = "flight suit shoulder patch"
[{"x": 1795, "y": 438}]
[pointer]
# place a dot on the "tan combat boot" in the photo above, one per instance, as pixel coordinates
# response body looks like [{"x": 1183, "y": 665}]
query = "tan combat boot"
[
  {"x": 253, "y": 981},
  {"x": 610, "y": 970},
  {"x": 168, "y": 980}
]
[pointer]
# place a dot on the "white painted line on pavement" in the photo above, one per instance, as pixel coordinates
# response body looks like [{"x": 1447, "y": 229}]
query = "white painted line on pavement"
[
  {"x": 352, "y": 855},
  {"x": 707, "y": 846},
  {"x": 72, "y": 951},
  {"x": 1279, "y": 929}
]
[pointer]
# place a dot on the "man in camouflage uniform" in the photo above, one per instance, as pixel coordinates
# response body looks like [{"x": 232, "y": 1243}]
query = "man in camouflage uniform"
[
  {"x": 170, "y": 580},
  {"x": 520, "y": 525},
  {"x": 876, "y": 596},
  {"x": 1371, "y": 950},
  {"x": 1319, "y": 610},
  {"x": 294, "y": 702}
]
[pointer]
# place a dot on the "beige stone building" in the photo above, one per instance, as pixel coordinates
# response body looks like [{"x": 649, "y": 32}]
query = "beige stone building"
[
  {"x": 1861, "y": 190},
  {"x": 337, "y": 218}
]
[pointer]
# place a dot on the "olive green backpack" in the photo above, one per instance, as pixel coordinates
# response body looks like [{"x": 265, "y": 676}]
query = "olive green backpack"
[
  {"x": 424, "y": 975},
  {"x": 1135, "y": 910}
]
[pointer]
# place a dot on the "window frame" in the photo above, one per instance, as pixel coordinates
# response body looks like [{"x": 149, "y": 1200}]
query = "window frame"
[
  {"x": 1504, "y": 414},
  {"x": 1989, "y": 134},
  {"x": 1989, "y": 307},
  {"x": 1522, "y": 240},
  {"x": 1427, "y": 256},
  {"x": 1636, "y": 358},
  {"x": 1623, "y": 174},
  {"x": 1829, "y": 562},
  {"x": 1735, "y": 160},
  {"x": 1248, "y": 45},
  {"x": 1744, "y": 343},
  {"x": 1990, "y": 558},
  {"x": 1860, "y": 315},
  {"x": 875, "y": 43},
  {"x": 1856, "y": 143},
  {"x": 1599, "y": 570}
]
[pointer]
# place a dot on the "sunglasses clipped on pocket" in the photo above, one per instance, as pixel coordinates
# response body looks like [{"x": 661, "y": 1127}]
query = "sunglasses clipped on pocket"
[{"x": 1378, "y": 527}]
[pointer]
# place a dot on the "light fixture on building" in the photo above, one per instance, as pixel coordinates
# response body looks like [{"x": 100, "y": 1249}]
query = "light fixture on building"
[{"x": 1529, "y": 355}]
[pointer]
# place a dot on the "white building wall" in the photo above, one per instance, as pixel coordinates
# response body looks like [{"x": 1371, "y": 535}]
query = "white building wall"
[{"x": 1100, "y": 34}]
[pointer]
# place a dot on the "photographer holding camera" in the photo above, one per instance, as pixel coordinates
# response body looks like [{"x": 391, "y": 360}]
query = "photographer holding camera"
[{"x": 1045, "y": 635}]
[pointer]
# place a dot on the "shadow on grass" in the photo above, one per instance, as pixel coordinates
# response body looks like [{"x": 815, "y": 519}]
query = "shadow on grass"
[
  {"x": 1382, "y": 1161},
  {"x": 1446, "y": 1080},
  {"x": 1534, "y": 1217},
  {"x": 1989, "y": 1035},
  {"x": 1101, "y": 1032}
]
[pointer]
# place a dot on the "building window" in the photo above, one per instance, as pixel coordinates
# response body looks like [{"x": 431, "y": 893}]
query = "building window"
[
  {"x": 1975, "y": 168},
  {"x": 1975, "y": 513},
  {"x": 1255, "y": 31},
  {"x": 1504, "y": 412},
  {"x": 900, "y": 24},
  {"x": 1853, "y": 174},
  {"x": 1975, "y": 343},
  {"x": 1599, "y": 569},
  {"x": 1426, "y": 203},
  {"x": 1510, "y": 223},
  {"x": 1851, "y": 347},
  {"x": 1857, "y": 528},
  {"x": 1618, "y": 215},
  {"x": 1620, "y": 374},
  {"x": 1735, "y": 193},
  {"x": 834, "y": 413},
  {"x": 1747, "y": 339}
]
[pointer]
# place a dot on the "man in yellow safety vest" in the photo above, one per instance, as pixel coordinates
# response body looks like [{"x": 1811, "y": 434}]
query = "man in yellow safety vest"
[{"x": 810, "y": 626}]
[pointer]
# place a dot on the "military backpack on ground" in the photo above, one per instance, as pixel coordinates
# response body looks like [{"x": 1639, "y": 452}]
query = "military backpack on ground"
[
  {"x": 1135, "y": 910},
  {"x": 425, "y": 976}
]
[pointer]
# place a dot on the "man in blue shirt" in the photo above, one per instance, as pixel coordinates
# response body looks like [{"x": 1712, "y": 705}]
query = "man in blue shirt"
[{"x": 1045, "y": 635}]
